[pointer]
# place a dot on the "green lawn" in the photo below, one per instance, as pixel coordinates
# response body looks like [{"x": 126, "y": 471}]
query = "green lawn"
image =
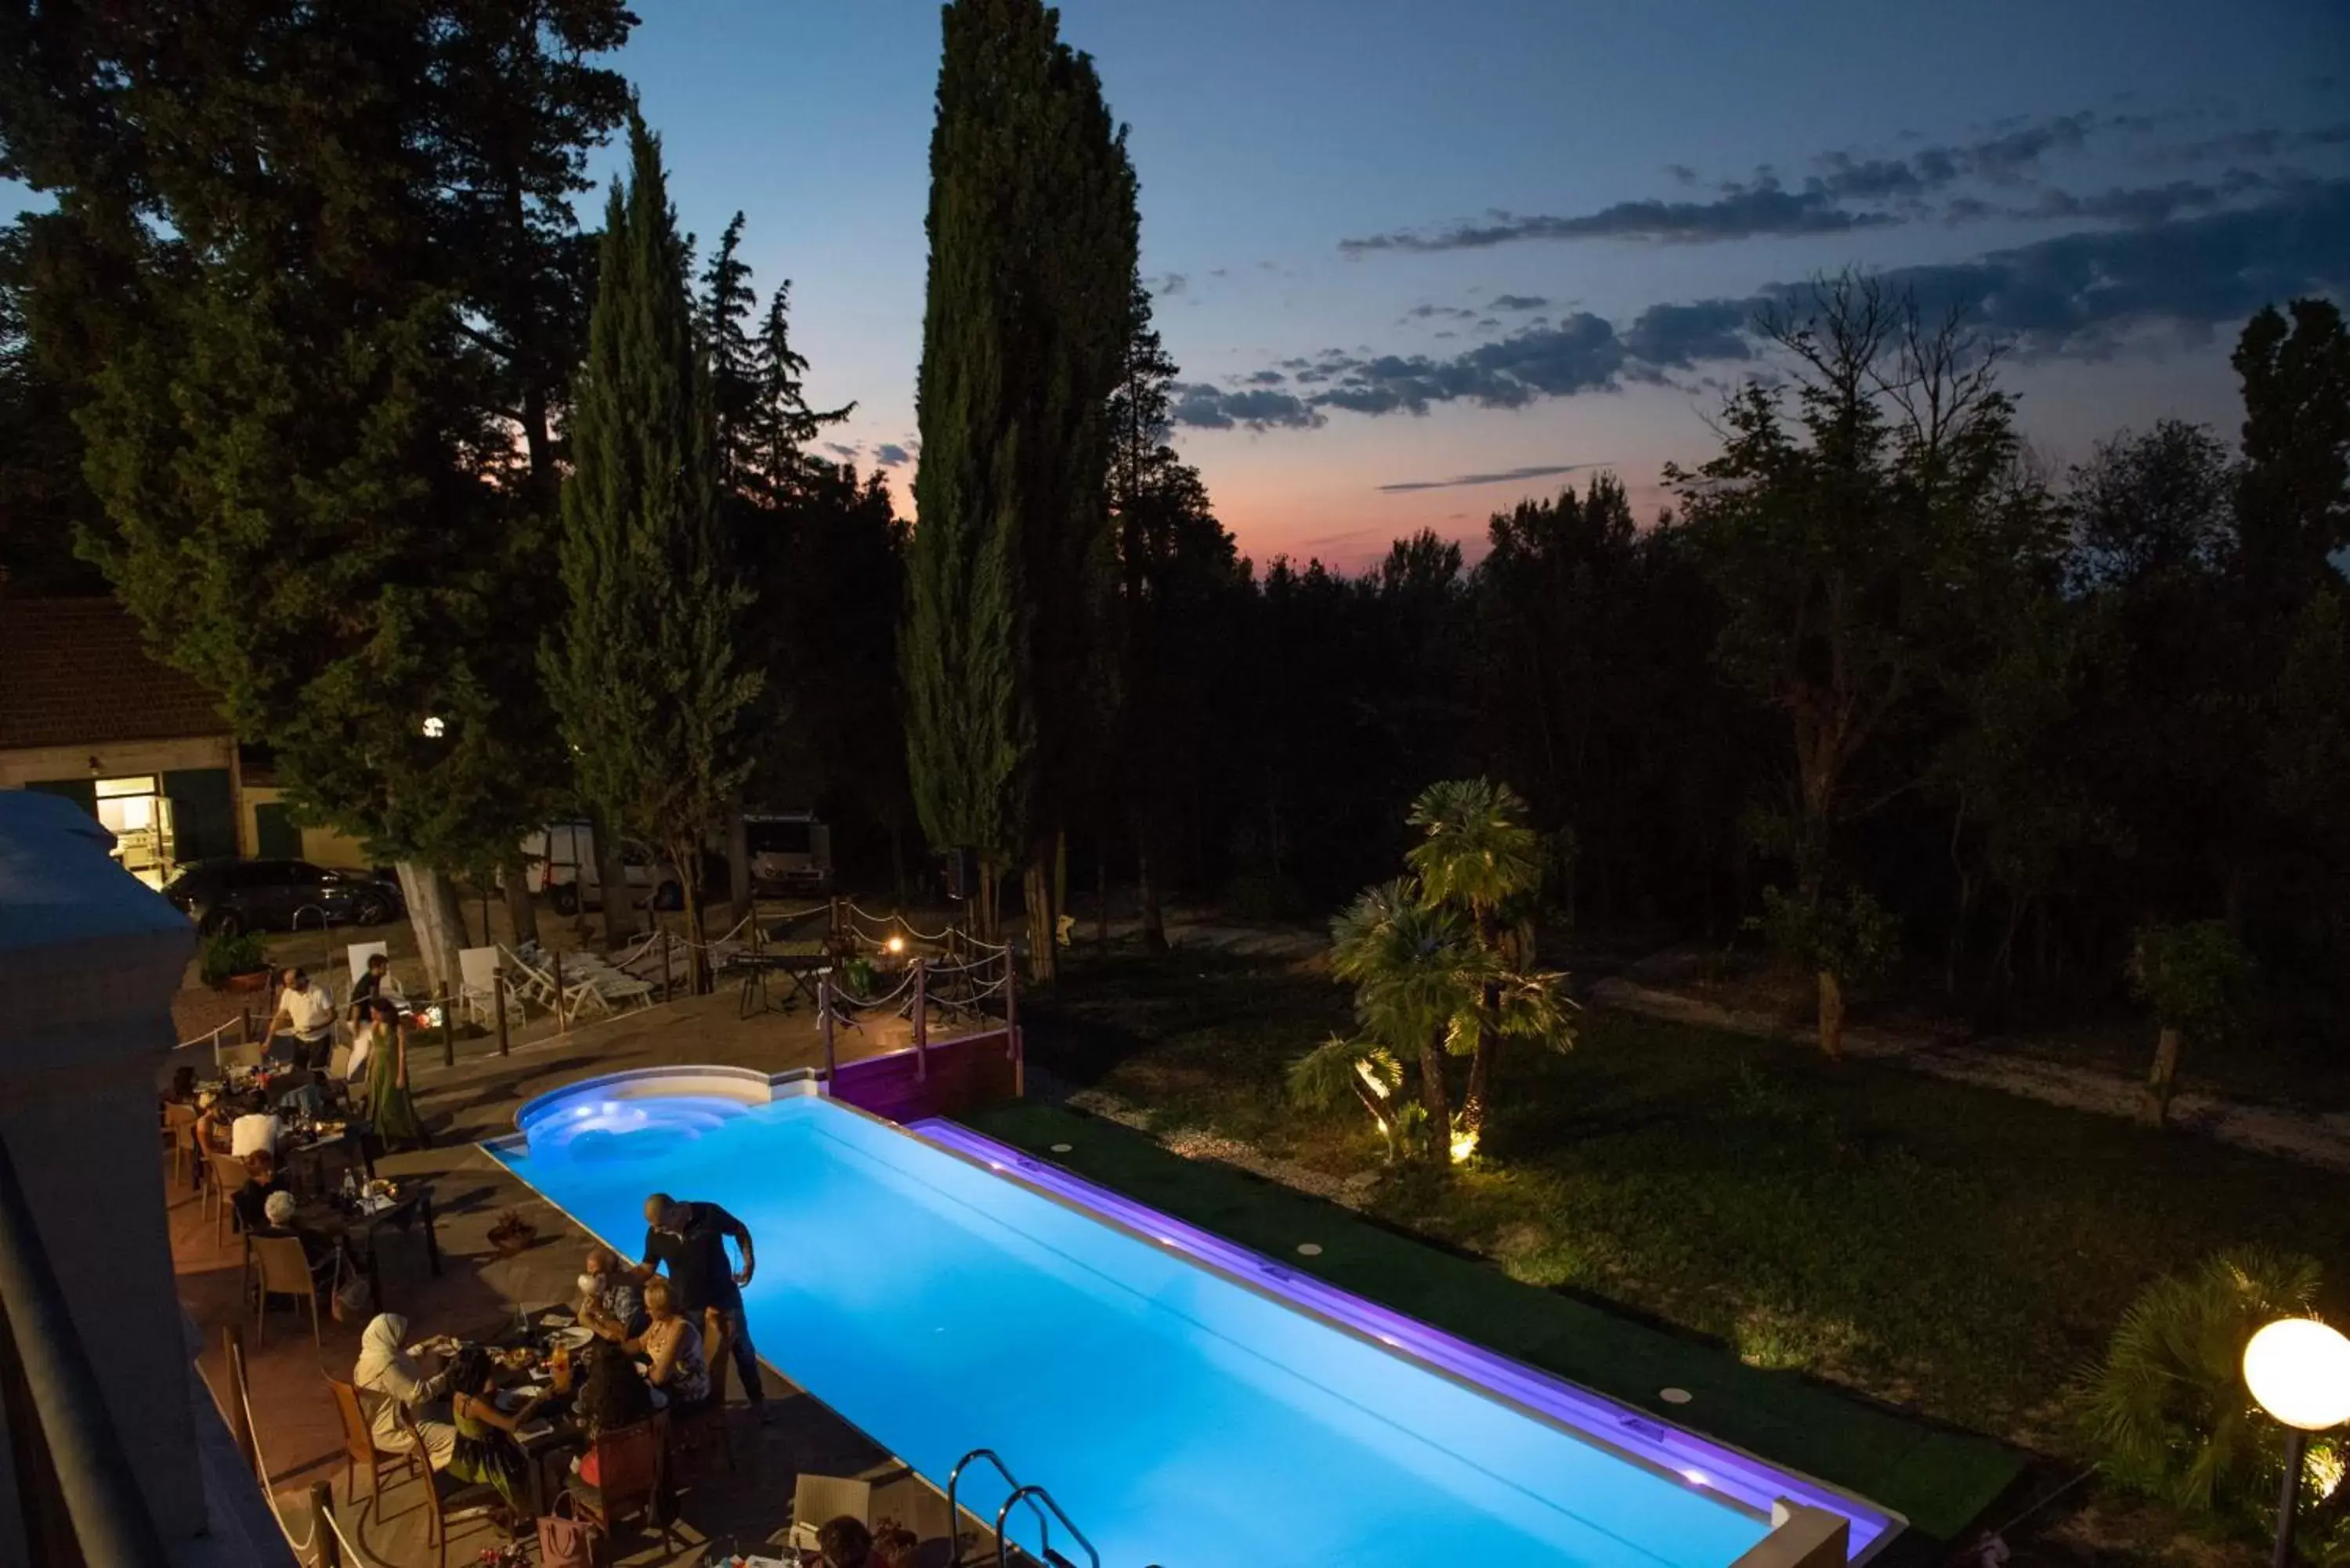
[{"x": 1956, "y": 1251}]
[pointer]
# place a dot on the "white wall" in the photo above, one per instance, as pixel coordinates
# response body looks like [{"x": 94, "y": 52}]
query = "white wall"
[{"x": 89, "y": 960}]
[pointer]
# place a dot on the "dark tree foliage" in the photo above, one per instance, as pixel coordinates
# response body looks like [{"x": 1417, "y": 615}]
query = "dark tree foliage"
[
  {"x": 312, "y": 275},
  {"x": 1033, "y": 236},
  {"x": 44, "y": 500}
]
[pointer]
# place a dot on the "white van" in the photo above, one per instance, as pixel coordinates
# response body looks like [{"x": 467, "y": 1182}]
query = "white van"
[
  {"x": 791, "y": 851},
  {"x": 563, "y": 866}
]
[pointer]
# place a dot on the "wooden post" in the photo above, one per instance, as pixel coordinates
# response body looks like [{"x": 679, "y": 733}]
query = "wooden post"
[
  {"x": 824, "y": 1016},
  {"x": 246, "y": 1037},
  {"x": 668, "y": 990},
  {"x": 448, "y": 1030},
  {"x": 558, "y": 956},
  {"x": 1011, "y": 1027},
  {"x": 498, "y": 1002},
  {"x": 922, "y": 1023},
  {"x": 322, "y": 1533},
  {"x": 232, "y": 1358}
]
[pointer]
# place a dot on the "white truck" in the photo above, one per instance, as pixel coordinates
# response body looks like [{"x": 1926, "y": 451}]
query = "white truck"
[{"x": 563, "y": 866}]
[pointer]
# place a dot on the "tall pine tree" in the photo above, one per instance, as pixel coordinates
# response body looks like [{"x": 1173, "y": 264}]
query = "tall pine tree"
[
  {"x": 646, "y": 677},
  {"x": 1032, "y": 239}
]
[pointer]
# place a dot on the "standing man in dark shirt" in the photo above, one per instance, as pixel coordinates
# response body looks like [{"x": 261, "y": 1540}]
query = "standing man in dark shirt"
[{"x": 690, "y": 1239}]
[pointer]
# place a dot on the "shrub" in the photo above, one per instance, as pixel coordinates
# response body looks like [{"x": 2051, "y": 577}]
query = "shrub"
[
  {"x": 2168, "y": 1408},
  {"x": 226, "y": 955}
]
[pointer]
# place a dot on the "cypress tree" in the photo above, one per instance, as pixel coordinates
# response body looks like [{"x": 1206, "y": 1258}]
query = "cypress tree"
[
  {"x": 1032, "y": 239},
  {"x": 646, "y": 681}
]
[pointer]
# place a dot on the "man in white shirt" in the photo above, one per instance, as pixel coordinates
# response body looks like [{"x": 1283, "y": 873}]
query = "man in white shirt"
[
  {"x": 305, "y": 1019},
  {"x": 253, "y": 1132}
]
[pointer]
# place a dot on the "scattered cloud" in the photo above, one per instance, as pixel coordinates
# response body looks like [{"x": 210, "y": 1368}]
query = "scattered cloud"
[
  {"x": 1173, "y": 284},
  {"x": 2191, "y": 258},
  {"x": 1204, "y": 407},
  {"x": 1540, "y": 471},
  {"x": 1682, "y": 173},
  {"x": 843, "y": 450},
  {"x": 1766, "y": 208},
  {"x": 888, "y": 455},
  {"x": 1267, "y": 379},
  {"x": 1429, "y": 312},
  {"x": 1519, "y": 302}
]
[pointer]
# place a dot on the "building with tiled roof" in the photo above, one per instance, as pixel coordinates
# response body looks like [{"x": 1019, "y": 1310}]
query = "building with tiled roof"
[{"x": 87, "y": 713}]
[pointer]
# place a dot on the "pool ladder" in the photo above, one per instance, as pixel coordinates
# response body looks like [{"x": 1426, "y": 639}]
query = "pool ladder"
[{"x": 1040, "y": 1503}]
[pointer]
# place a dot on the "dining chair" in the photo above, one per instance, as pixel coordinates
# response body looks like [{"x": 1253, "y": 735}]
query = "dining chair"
[
  {"x": 628, "y": 1464},
  {"x": 359, "y": 1448},
  {"x": 446, "y": 1499},
  {"x": 180, "y": 1132},
  {"x": 693, "y": 1428},
  {"x": 281, "y": 1268},
  {"x": 229, "y": 1177}
]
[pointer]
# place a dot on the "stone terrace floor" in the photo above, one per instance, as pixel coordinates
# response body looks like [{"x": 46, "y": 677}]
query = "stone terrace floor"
[{"x": 296, "y": 1428}]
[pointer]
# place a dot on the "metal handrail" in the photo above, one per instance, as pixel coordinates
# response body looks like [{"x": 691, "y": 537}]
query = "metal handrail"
[
  {"x": 954, "y": 1519},
  {"x": 111, "y": 1521},
  {"x": 1034, "y": 1495}
]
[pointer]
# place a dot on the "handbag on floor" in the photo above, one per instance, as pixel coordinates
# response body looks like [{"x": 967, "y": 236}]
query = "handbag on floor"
[
  {"x": 566, "y": 1540},
  {"x": 350, "y": 1298}
]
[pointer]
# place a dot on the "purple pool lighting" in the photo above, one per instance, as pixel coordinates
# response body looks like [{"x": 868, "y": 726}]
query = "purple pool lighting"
[{"x": 1699, "y": 1461}]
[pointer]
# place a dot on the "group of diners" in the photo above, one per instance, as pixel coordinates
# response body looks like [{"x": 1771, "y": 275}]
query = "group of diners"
[{"x": 653, "y": 1338}]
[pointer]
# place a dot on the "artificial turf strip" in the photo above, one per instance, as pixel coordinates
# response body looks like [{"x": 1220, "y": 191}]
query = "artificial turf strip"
[{"x": 1940, "y": 1480}]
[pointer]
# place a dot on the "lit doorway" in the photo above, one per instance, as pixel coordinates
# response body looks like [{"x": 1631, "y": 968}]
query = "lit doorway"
[{"x": 138, "y": 815}]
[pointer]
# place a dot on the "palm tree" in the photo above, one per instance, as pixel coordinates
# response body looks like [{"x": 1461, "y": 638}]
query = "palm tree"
[
  {"x": 1368, "y": 1071},
  {"x": 1418, "y": 980},
  {"x": 1477, "y": 855}
]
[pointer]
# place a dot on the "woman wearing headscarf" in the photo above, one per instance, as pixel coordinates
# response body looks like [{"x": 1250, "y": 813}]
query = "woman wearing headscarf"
[{"x": 387, "y": 1370}]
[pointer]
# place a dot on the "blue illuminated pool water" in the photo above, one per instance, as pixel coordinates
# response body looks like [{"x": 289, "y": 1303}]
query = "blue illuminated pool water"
[{"x": 1180, "y": 1417}]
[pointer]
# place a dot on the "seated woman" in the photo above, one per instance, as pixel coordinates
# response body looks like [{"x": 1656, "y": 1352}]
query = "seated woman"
[
  {"x": 261, "y": 1183},
  {"x": 844, "y": 1542},
  {"x": 611, "y": 1398},
  {"x": 387, "y": 1369},
  {"x": 609, "y": 1300},
  {"x": 213, "y": 1119},
  {"x": 673, "y": 1349},
  {"x": 487, "y": 1452}
]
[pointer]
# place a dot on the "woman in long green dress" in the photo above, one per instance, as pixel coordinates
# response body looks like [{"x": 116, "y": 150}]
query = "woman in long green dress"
[{"x": 390, "y": 1107}]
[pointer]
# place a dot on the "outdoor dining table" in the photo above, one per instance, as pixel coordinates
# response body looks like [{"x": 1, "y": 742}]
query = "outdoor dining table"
[
  {"x": 800, "y": 968},
  {"x": 359, "y": 1232}
]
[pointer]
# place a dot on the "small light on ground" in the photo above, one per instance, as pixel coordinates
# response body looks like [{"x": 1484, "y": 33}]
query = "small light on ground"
[
  {"x": 1695, "y": 1477},
  {"x": 1062, "y": 1147},
  {"x": 1309, "y": 1248},
  {"x": 1675, "y": 1396}
]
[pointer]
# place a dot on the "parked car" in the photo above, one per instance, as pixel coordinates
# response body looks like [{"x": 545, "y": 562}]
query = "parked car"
[
  {"x": 791, "y": 851},
  {"x": 226, "y": 897},
  {"x": 563, "y": 866}
]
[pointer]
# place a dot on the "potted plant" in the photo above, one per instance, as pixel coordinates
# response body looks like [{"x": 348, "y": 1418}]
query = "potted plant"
[
  {"x": 236, "y": 963},
  {"x": 511, "y": 1233}
]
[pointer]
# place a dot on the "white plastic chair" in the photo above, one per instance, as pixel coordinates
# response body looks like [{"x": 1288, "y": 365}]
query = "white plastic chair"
[
  {"x": 477, "y": 988},
  {"x": 818, "y": 1500},
  {"x": 359, "y": 953}
]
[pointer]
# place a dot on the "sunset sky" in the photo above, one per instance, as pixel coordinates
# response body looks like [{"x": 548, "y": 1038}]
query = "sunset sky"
[{"x": 1399, "y": 246}]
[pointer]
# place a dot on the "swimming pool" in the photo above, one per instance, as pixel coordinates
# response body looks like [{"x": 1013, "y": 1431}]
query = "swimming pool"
[{"x": 1180, "y": 1414}]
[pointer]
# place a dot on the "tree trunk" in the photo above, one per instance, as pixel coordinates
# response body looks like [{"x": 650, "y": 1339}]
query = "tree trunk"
[
  {"x": 433, "y": 911},
  {"x": 1101, "y": 890},
  {"x": 1489, "y": 1038},
  {"x": 2163, "y": 1081},
  {"x": 1831, "y": 1014},
  {"x": 522, "y": 910},
  {"x": 1379, "y": 1114},
  {"x": 697, "y": 966},
  {"x": 1036, "y": 900},
  {"x": 1146, "y": 892},
  {"x": 1436, "y": 1099},
  {"x": 612, "y": 886},
  {"x": 738, "y": 863}
]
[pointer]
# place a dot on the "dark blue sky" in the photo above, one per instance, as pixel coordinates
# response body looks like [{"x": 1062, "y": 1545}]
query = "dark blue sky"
[{"x": 1560, "y": 212}]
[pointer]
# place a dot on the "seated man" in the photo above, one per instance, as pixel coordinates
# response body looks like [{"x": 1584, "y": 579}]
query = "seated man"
[
  {"x": 251, "y": 1202},
  {"x": 610, "y": 1302},
  {"x": 377, "y": 981},
  {"x": 278, "y": 1211},
  {"x": 256, "y": 1132}
]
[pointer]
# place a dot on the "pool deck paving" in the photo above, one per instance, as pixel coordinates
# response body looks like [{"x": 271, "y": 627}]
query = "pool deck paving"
[{"x": 478, "y": 1292}]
